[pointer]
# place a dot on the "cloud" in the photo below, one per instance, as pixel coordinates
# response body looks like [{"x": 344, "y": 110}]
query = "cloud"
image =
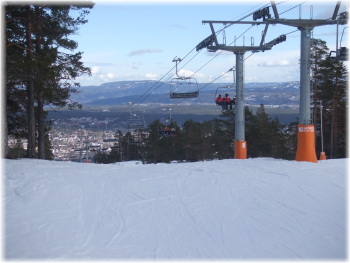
[
  {"x": 278, "y": 63},
  {"x": 99, "y": 73},
  {"x": 144, "y": 51},
  {"x": 95, "y": 70},
  {"x": 151, "y": 76},
  {"x": 185, "y": 73}
]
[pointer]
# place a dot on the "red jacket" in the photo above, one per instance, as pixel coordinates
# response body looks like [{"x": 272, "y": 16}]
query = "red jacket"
[
  {"x": 227, "y": 100},
  {"x": 218, "y": 100}
]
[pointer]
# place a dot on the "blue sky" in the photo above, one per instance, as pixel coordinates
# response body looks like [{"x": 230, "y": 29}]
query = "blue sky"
[{"x": 138, "y": 40}]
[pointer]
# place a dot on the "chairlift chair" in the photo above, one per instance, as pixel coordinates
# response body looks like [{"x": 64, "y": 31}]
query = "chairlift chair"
[
  {"x": 134, "y": 142},
  {"x": 223, "y": 90},
  {"x": 342, "y": 53},
  {"x": 166, "y": 126},
  {"x": 183, "y": 87},
  {"x": 135, "y": 121},
  {"x": 166, "y": 130}
]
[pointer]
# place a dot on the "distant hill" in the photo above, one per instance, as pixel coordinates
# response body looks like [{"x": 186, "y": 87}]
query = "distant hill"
[{"x": 150, "y": 92}]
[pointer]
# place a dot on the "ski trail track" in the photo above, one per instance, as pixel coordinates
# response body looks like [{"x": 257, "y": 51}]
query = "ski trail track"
[{"x": 229, "y": 209}]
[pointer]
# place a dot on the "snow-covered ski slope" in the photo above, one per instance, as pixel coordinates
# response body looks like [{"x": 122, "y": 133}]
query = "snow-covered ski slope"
[{"x": 255, "y": 209}]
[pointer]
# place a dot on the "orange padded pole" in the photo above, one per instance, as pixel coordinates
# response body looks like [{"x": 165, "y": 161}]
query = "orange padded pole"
[
  {"x": 306, "y": 144},
  {"x": 240, "y": 150},
  {"x": 323, "y": 156}
]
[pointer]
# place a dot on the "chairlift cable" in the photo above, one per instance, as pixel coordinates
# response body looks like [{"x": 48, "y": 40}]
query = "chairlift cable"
[
  {"x": 233, "y": 20},
  {"x": 153, "y": 88},
  {"x": 146, "y": 96},
  {"x": 292, "y": 32},
  {"x": 220, "y": 52},
  {"x": 292, "y": 8},
  {"x": 150, "y": 89}
]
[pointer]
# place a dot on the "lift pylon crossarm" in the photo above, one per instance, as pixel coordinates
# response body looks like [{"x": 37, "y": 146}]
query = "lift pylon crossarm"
[
  {"x": 233, "y": 22},
  {"x": 239, "y": 48},
  {"x": 343, "y": 19},
  {"x": 302, "y": 23}
]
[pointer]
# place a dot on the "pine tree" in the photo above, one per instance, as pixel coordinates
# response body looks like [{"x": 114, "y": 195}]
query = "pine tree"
[
  {"x": 332, "y": 79},
  {"x": 266, "y": 137},
  {"x": 36, "y": 36}
]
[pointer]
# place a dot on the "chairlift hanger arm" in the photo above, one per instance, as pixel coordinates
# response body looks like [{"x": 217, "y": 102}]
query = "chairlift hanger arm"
[{"x": 177, "y": 60}]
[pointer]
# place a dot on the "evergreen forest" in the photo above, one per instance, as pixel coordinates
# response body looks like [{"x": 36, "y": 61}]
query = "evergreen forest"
[{"x": 196, "y": 141}]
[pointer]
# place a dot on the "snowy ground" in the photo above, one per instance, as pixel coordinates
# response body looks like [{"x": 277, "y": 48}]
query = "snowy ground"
[{"x": 229, "y": 209}]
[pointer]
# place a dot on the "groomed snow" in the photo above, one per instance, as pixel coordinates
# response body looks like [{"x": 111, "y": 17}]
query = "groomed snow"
[{"x": 255, "y": 209}]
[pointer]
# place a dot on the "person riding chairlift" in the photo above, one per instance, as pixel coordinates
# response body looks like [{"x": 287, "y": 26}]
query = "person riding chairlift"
[
  {"x": 167, "y": 131},
  {"x": 233, "y": 101},
  {"x": 227, "y": 102},
  {"x": 218, "y": 100}
]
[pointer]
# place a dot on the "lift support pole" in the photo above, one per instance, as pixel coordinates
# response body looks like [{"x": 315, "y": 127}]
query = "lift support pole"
[
  {"x": 240, "y": 142},
  {"x": 306, "y": 150}
]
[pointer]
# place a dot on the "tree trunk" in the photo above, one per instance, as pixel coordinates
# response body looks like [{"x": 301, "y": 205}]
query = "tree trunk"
[
  {"x": 39, "y": 88},
  {"x": 334, "y": 123},
  {"x": 4, "y": 131},
  {"x": 30, "y": 87},
  {"x": 41, "y": 126}
]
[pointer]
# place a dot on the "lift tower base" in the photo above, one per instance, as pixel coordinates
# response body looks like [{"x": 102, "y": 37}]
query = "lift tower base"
[
  {"x": 306, "y": 144},
  {"x": 240, "y": 150}
]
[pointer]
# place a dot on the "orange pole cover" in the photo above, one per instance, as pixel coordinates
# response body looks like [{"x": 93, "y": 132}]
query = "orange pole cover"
[
  {"x": 323, "y": 156},
  {"x": 306, "y": 144},
  {"x": 240, "y": 150}
]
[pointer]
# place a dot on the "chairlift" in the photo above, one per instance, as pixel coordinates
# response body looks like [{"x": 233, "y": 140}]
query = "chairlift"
[
  {"x": 342, "y": 53},
  {"x": 134, "y": 121},
  {"x": 166, "y": 130},
  {"x": 166, "y": 126},
  {"x": 224, "y": 90},
  {"x": 134, "y": 142},
  {"x": 183, "y": 87}
]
